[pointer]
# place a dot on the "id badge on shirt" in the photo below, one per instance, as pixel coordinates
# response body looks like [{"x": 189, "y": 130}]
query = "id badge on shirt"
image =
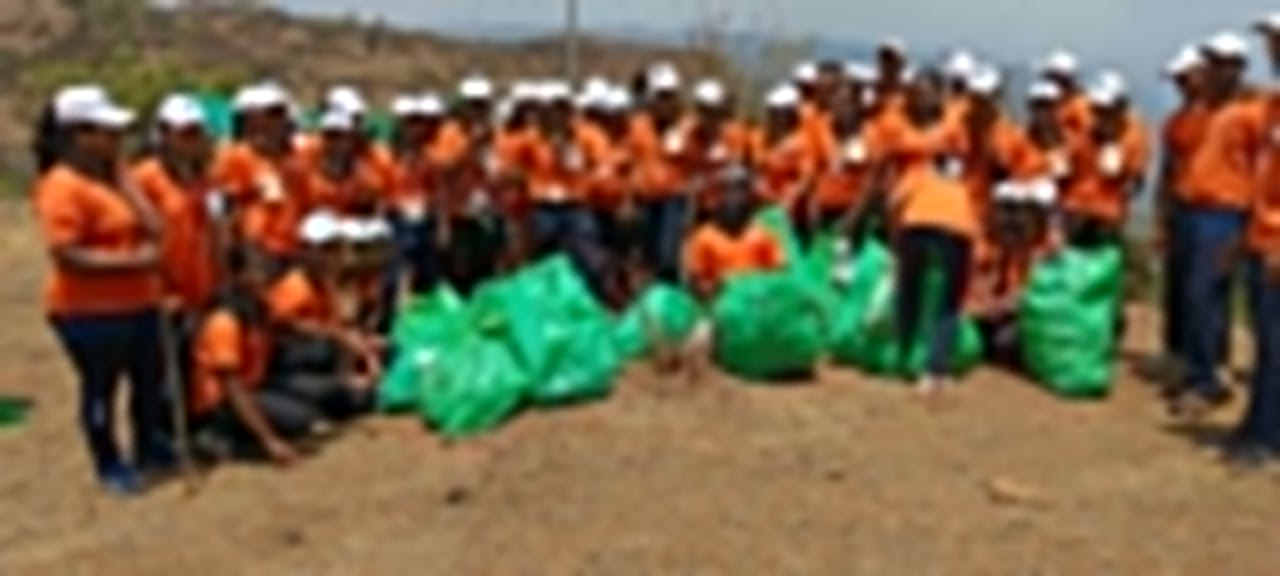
[
  {"x": 855, "y": 152},
  {"x": 1110, "y": 160},
  {"x": 414, "y": 210},
  {"x": 271, "y": 187},
  {"x": 951, "y": 167}
]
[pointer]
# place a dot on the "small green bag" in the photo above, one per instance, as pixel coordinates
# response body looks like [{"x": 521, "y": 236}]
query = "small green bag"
[
  {"x": 473, "y": 387},
  {"x": 662, "y": 316}
]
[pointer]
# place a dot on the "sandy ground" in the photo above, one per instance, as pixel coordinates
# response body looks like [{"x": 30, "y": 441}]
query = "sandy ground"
[{"x": 844, "y": 476}]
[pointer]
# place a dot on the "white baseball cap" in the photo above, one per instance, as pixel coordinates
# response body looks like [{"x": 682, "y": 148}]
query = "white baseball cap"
[
  {"x": 1227, "y": 45},
  {"x": 431, "y": 105},
  {"x": 593, "y": 94},
  {"x": 663, "y": 78},
  {"x": 1268, "y": 23},
  {"x": 860, "y": 72},
  {"x": 404, "y": 106},
  {"x": 346, "y": 99},
  {"x": 1187, "y": 59},
  {"x": 1114, "y": 81},
  {"x": 783, "y": 97},
  {"x": 983, "y": 80},
  {"x": 476, "y": 87},
  {"x": 92, "y": 105},
  {"x": 1060, "y": 62},
  {"x": 180, "y": 111},
  {"x": 710, "y": 93},
  {"x": 523, "y": 91},
  {"x": 1044, "y": 91},
  {"x": 261, "y": 96},
  {"x": 960, "y": 65},
  {"x": 337, "y": 121},
  {"x": 1104, "y": 95},
  {"x": 618, "y": 100},
  {"x": 555, "y": 91},
  {"x": 363, "y": 230},
  {"x": 894, "y": 44},
  {"x": 805, "y": 72},
  {"x": 1043, "y": 191},
  {"x": 321, "y": 227}
]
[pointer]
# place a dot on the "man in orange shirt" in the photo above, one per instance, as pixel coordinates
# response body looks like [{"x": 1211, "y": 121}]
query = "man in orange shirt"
[
  {"x": 844, "y": 173},
  {"x": 1219, "y": 190},
  {"x": 661, "y": 185},
  {"x": 728, "y": 246},
  {"x": 419, "y": 120},
  {"x": 104, "y": 291},
  {"x": 787, "y": 158},
  {"x": 1109, "y": 164},
  {"x": 1182, "y": 133},
  {"x": 1062, "y": 68}
]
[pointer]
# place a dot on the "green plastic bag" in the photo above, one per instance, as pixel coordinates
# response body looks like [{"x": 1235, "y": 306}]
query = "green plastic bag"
[
  {"x": 775, "y": 220},
  {"x": 555, "y": 287},
  {"x": 662, "y": 316},
  {"x": 473, "y": 387},
  {"x": 1067, "y": 321},
  {"x": 510, "y": 312},
  {"x": 871, "y": 277},
  {"x": 768, "y": 326},
  {"x": 585, "y": 365},
  {"x": 13, "y": 411},
  {"x": 421, "y": 330}
]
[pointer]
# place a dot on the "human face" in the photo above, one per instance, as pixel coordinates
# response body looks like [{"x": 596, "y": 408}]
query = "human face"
[
  {"x": 186, "y": 143},
  {"x": 99, "y": 143}
]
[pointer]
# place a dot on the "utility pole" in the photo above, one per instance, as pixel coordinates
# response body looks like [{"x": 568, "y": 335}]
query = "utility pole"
[{"x": 572, "y": 64}]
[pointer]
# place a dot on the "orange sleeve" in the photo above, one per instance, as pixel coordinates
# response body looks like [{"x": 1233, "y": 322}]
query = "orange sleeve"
[
  {"x": 699, "y": 255},
  {"x": 769, "y": 251},
  {"x": 288, "y": 299},
  {"x": 62, "y": 218},
  {"x": 220, "y": 344},
  {"x": 449, "y": 146},
  {"x": 232, "y": 173}
]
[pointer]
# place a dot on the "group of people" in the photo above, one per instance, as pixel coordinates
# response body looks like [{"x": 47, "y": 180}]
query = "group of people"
[{"x": 246, "y": 286}]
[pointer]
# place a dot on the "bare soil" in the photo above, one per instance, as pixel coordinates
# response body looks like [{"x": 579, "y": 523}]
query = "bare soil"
[{"x": 842, "y": 476}]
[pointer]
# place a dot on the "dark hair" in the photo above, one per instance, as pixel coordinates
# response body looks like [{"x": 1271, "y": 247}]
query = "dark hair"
[{"x": 50, "y": 141}]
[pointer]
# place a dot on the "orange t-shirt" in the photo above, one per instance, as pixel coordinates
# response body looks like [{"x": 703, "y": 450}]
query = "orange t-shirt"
[
  {"x": 560, "y": 174},
  {"x": 512, "y": 147},
  {"x": 1093, "y": 191},
  {"x": 190, "y": 258},
  {"x": 712, "y": 256},
  {"x": 815, "y": 121},
  {"x": 271, "y": 197},
  {"x": 983, "y": 164},
  {"x": 370, "y": 183},
  {"x": 296, "y": 298},
  {"x": 909, "y": 149},
  {"x": 734, "y": 144},
  {"x": 1183, "y": 133},
  {"x": 658, "y": 173},
  {"x": 225, "y": 345},
  {"x": 782, "y": 165},
  {"x": 1075, "y": 115},
  {"x": 925, "y": 198},
  {"x": 845, "y": 170},
  {"x": 1263, "y": 235},
  {"x": 76, "y": 211},
  {"x": 1222, "y": 172}
]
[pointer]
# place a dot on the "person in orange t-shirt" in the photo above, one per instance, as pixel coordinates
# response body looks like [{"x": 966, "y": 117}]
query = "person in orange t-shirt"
[
  {"x": 104, "y": 291},
  {"x": 935, "y": 225},
  {"x": 1220, "y": 187},
  {"x": 715, "y": 144},
  {"x": 661, "y": 184},
  {"x": 347, "y": 173},
  {"x": 262, "y": 175},
  {"x": 729, "y": 246},
  {"x": 994, "y": 140},
  {"x": 234, "y": 410},
  {"x": 1074, "y": 110},
  {"x": 419, "y": 120},
  {"x": 1108, "y": 167},
  {"x": 1181, "y": 135},
  {"x": 845, "y": 172},
  {"x": 787, "y": 158}
]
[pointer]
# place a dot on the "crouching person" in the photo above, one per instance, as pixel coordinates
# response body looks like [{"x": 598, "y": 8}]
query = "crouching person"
[
  {"x": 233, "y": 411},
  {"x": 728, "y": 246},
  {"x": 316, "y": 357}
]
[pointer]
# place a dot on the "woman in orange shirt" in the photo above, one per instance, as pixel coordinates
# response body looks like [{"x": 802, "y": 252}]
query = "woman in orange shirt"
[
  {"x": 935, "y": 225},
  {"x": 104, "y": 293},
  {"x": 786, "y": 159},
  {"x": 418, "y": 119},
  {"x": 844, "y": 177}
]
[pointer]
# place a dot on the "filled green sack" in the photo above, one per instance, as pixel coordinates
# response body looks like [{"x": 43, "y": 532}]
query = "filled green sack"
[
  {"x": 558, "y": 288},
  {"x": 584, "y": 366},
  {"x": 775, "y": 220},
  {"x": 662, "y": 316},
  {"x": 869, "y": 288},
  {"x": 421, "y": 330},
  {"x": 768, "y": 325},
  {"x": 1067, "y": 321},
  {"x": 474, "y": 386}
]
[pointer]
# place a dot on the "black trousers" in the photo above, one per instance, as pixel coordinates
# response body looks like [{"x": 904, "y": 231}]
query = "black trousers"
[{"x": 920, "y": 250}]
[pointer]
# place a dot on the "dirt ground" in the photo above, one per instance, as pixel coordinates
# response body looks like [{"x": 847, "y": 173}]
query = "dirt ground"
[{"x": 844, "y": 476}]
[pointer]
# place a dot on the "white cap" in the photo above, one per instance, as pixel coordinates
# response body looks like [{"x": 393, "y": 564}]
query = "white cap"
[
  {"x": 983, "y": 80},
  {"x": 1227, "y": 45},
  {"x": 805, "y": 72},
  {"x": 90, "y": 104},
  {"x": 663, "y": 78},
  {"x": 1188, "y": 59},
  {"x": 337, "y": 121},
  {"x": 1268, "y": 23},
  {"x": 1114, "y": 81},
  {"x": 710, "y": 93},
  {"x": 1044, "y": 91},
  {"x": 405, "y": 105},
  {"x": 320, "y": 227},
  {"x": 1043, "y": 191},
  {"x": 262, "y": 96},
  {"x": 894, "y": 44},
  {"x": 363, "y": 230},
  {"x": 525, "y": 91},
  {"x": 618, "y": 100},
  {"x": 431, "y": 105},
  {"x": 1060, "y": 62},
  {"x": 1104, "y": 95},
  {"x": 593, "y": 93},
  {"x": 860, "y": 72},
  {"x": 960, "y": 65},
  {"x": 346, "y": 99},
  {"x": 1011, "y": 190},
  {"x": 475, "y": 88},
  {"x": 180, "y": 111},
  {"x": 783, "y": 97},
  {"x": 555, "y": 91}
]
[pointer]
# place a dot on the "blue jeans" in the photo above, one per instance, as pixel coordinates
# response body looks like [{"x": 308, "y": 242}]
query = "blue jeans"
[
  {"x": 919, "y": 250},
  {"x": 1262, "y": 419},
  {"x": 571, "y": 230},
  {"x": 1177, "y": 254},
  {"x": 664, "y": 226},
  {"x": 1207, "y": 293},
  {"x": 103, "y": 349}
]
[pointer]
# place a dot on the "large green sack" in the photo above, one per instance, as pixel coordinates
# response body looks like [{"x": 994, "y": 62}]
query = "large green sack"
[
  {"x": 585, "y": 364},
  {"x": 662, "y": 316},
  {"x": 767, "y": 326},
  {"x": 425, "y": 327},
  {"x": 865, "y": 334},
  {"x": 1067, "y": 321},
  {"x": 474, "y": 386}
]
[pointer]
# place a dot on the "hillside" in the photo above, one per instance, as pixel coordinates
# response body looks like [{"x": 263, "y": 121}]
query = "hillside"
[{"x": 141, "y": 52}]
